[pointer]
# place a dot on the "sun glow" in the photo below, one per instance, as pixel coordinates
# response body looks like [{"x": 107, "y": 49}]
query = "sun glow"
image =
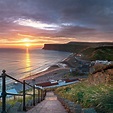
[
  {"x": 27, "y": 45},
  {"x": 22, "y": 42},
  {"x": 27, "y": 42}
]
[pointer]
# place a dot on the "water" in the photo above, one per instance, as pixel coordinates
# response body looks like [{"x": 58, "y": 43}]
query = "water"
[{"x": 21, "y": 63}]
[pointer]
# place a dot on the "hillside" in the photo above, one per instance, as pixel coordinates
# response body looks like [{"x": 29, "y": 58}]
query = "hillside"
[
  {"x": 100, "y": 53},
  {"x": 94, "y": 92}
]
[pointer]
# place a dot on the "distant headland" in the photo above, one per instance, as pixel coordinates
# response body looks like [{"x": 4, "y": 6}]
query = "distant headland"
[
  {"x": 76, "y": 46},
  {"x": 88, "y": 50}
]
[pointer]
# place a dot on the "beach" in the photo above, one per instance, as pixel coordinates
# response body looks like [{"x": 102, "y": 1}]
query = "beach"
[{"x": 55, "y": 72}]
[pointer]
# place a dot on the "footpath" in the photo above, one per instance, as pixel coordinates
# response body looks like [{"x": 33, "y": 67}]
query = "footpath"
[{"x": 50, "y": 105}]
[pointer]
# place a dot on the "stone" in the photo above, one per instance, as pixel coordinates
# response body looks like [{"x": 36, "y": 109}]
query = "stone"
[{"x": 89, "y": 110}]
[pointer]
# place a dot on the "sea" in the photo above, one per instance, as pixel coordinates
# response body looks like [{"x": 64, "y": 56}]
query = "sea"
[{"x": 20, "y": 63}]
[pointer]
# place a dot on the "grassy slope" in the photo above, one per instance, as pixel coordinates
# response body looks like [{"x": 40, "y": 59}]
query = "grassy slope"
[
  {"x": 100, "y": 53},
  {"x": 99, "y": 96}
]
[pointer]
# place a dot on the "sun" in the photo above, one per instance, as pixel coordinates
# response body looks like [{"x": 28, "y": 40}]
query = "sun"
[{"x": 27, "y": 42}]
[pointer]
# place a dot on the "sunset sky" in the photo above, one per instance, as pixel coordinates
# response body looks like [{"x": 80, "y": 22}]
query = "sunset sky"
[{"x": 35, "y": 22}]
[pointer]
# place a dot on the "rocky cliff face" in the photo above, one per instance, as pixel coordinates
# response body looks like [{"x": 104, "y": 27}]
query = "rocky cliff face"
[{"x": 102, "y": 76}]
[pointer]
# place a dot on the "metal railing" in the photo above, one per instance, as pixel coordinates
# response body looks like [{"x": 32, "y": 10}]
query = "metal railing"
[{"x": 37, "y": 93}]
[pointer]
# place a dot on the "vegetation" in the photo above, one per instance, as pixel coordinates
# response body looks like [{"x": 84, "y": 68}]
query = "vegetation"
[
  {"x": 14, "y": 99},
  {"x": 98, "y": 96},
  {"x": 99, "y": 53},
  {"x": 78, "y": 46}
]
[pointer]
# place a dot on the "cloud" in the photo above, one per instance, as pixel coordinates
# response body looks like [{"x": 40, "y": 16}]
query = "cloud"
[
  {"x": 73, "y": 31},
  {"x": 36, "y": 24},
  {"x": 70, "y": 19}
]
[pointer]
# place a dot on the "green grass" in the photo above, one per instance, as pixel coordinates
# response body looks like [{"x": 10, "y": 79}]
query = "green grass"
[
  {"x": 100, "y": 53},
  {"x": 12, "y": 101},
  {"x": 98, "y": 96}
]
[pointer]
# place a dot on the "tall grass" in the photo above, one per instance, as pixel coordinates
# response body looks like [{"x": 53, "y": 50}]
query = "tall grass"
[{"x": 98, "y": 96}]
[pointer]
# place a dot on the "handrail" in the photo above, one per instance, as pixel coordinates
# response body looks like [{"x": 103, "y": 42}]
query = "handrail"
[
  {"x": 17, "y": 80},
  {"x": 41, "y": 92},
  {"x": 14, "y": 94},
  {"x": 13, "y": 78}
]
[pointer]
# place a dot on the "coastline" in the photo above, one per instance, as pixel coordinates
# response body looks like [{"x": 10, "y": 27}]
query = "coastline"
[{"x": 55, "y": 72}]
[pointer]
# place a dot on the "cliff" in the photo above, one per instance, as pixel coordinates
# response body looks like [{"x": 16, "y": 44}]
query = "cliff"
[
  {"x": 76, "y": 47},
  {"x": 65, "y": 47}
]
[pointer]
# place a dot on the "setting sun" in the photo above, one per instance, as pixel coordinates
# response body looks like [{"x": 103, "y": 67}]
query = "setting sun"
[
  {"x": 27, "y": 45},
  {"x": 27, "y": 42}
]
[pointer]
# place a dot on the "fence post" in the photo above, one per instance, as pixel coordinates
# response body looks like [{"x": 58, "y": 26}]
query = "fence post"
[
  {"x": 41, "y": 94},
  {"x": 33, "y": 95},
  {"x": 44, "y": 93},
  {"x": 38, "y": 95},
  {"x": 33, "y": 82},
  {"x": 24, "y": 107},
  {"x": 3, "y": 94}
]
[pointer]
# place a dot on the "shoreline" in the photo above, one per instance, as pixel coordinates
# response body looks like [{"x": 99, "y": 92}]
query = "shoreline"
[
  {"x": 55, "y": 72},
  {"x": 38, "y": 74}
]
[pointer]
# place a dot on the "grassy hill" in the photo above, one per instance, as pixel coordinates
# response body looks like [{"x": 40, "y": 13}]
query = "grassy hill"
[
  {"x": 96, "y": 91},
  {"x": 100, "y": 53}
]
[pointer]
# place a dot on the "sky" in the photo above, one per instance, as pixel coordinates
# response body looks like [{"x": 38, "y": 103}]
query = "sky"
[{"x": 36, "y": 22}]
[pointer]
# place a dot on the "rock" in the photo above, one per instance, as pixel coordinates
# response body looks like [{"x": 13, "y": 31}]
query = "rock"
[{"x": 88, "y": 110}]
